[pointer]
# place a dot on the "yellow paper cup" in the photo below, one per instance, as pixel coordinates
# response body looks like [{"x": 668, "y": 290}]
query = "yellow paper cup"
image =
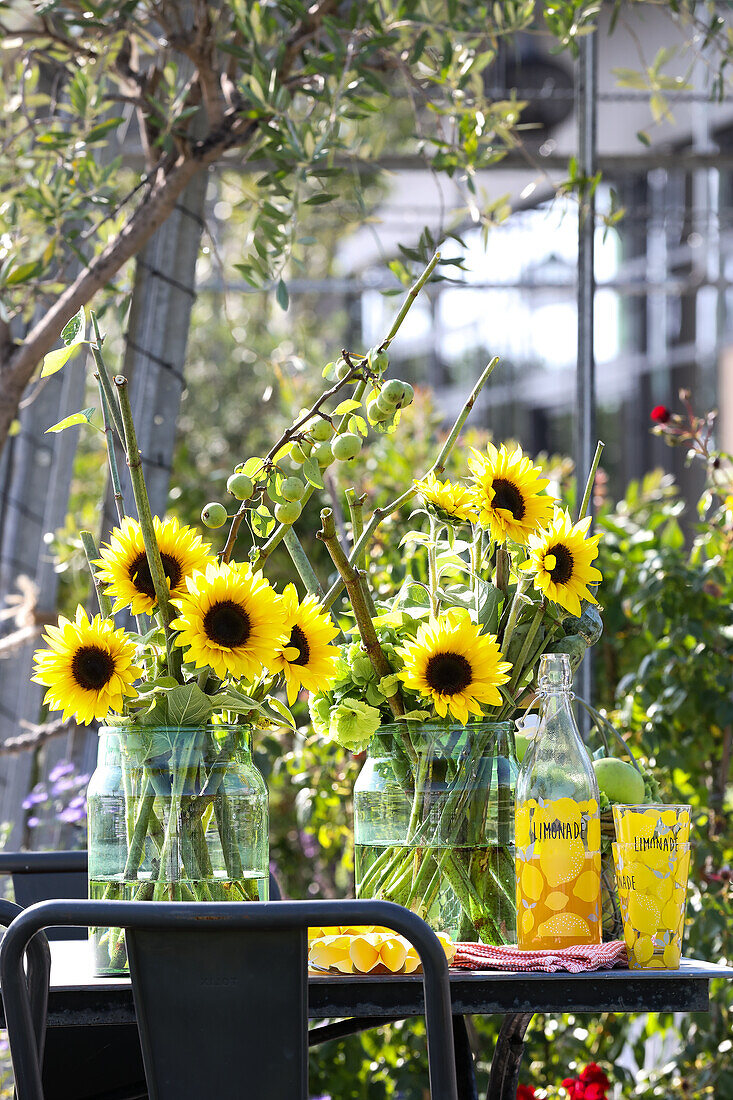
[
  {"x": 652, "y": 823},
  {"x": 652, "y": 900}
]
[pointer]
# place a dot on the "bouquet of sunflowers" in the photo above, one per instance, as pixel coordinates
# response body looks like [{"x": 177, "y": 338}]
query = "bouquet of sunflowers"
[
  {"x": 430, "y": 677},
  {"x": 437, "y": 674}
]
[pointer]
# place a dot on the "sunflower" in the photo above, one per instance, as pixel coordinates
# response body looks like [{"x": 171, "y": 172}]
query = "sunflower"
[
  {"x": 560, "y": 558},
  {"x": 124, "y": 565},
  {"x": 452, "y": 502},
  {"x": 508, "y": 493},
  {"x": 305, "y": 658},
  {"x": 455, "y": 666},
  {"x": 87, "y": 667},
  {"x": 230, "y": 619}
]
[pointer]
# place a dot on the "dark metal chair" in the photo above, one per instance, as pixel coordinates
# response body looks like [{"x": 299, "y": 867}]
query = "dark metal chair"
[
  {"x": 39, "y": 970},
  {"x": 43, "y": 876},
  {"x": 221, "y": 991}
]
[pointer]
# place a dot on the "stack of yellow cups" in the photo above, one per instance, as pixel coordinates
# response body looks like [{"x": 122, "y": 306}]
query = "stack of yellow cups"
[{"x": 652, "y": 858}]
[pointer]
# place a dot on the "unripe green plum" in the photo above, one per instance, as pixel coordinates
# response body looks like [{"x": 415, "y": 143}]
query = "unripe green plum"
[
  {"x": 346, "y": 446},
  {"x": 322, "y": 430},
  {"x": 380, "y": 362},
  {"x": 384, "y": 406},
  {"x": 375, "y": 413},
  {"x": 300, "y": 451},
  {"x": 240, "y": 486},
  {"x": 288, "y": 512},
  {"x": 409, "y": 396},
  {"x": 214, "y": 514},
  {"x": 342, "y": 369},
  {"x": 292, "y": 488},
  {"x": 393, "y": 392},
  {"x": 323, "y": 455}
]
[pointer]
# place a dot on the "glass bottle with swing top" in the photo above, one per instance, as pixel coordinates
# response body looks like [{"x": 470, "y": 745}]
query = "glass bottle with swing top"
[{"x": 557, "y": 825}]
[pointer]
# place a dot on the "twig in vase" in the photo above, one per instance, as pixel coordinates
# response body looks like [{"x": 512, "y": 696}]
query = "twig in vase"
[{"x": 352, "y": 579}]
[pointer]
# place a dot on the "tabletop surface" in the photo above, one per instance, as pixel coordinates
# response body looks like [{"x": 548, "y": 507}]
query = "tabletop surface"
[{"x": 78, "y": 996}]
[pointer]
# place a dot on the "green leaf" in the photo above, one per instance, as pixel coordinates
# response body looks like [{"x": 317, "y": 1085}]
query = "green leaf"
[
  {"x": 83, "y": 417},
  {"x": 281, "y": 294},
  {"x": 73, "y": 332},
  {"x": 312, "y": 471},
  {"x": 188, "y": 705},
  {"x": 490, "y": 602},
  {"x": 282, "y": 710},
  {"x": 72, "y": 336},
  {"x": 347, "y": 406},
  {"x": 235, "y": 702},
  {"x": 23, "y": 272},
  {"x": 103, "y": 128},
  {"x": 55, "y": 360}
]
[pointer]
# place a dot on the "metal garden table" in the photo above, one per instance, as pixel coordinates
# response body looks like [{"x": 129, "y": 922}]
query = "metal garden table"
[{"x": 92, "y": 1020}]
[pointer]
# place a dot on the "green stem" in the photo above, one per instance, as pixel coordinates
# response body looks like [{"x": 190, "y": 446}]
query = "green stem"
[
  {"x": 411, "y": 296},
  {"x": 140, "y": 831},
  {"x": 104, "y": 379},
  {"x": 145, "y": 516},
  {"x": 526, "y": 646},
  {"x": 92, "y": 555},
  {"x": 356, "y": 511},
  {"x": 522, "y": 585},
  {"x": 583, "y": 510},
  {"x": 437, "y": 468},
  {"x": 360, "y": 607},
  {"x": 433, "y": 568},
  {"x": 302, "y": 564},
  {"x": 114, "y": 472},
  {"x": 503, "y": 566}
]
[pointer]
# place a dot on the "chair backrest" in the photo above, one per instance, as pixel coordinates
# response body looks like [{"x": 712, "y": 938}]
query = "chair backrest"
[
  {"x": 39, "y": 970},
  {"x": 221, "y": 991},
  {"x": 43, "y": 876}
]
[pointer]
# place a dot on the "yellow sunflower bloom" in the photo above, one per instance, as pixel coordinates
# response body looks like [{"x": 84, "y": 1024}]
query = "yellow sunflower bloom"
[
  {"x": 560, "y": 558},
  {"x": 124, "y": 568},
  {"x": 230, "y": 619},
  {"x": 305, "y": 658},
  {"x": 508, "y": 493},
  {"x": 455, "y": 666},
  {"x": 88, "y": 667},
  {"x": 451, "y": 501}
]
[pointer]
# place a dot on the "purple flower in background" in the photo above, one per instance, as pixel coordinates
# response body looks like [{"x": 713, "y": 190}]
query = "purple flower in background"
[
  {"x": 64, "y": 767},
  {"x": 38, "y": 794},
  {"x": 72, "y": 814},
  {"x": 64, "y": 802},
  {"x": 308, "y": 844},
  {"x": 67, "y": 783}
]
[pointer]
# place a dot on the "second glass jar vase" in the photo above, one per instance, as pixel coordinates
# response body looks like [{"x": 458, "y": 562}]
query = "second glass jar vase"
[
  {"x": 434, "y": 826},
  {"x": 175, "y": 814}
]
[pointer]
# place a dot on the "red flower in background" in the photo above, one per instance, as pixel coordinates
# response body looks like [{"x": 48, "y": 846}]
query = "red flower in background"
[
  {"x": 592, "y": 1084},
  {"x": 525, "y": 1092},
  {"x": 660, "y": 414}
]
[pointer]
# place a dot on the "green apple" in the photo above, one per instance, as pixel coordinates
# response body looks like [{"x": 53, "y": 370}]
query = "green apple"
[{"x": 619, "y": 781}]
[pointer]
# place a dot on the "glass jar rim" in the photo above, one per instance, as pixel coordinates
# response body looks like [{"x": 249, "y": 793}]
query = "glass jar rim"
[
  {"x": 119, "y": 728},
  {"x": 443, "y": 724}
]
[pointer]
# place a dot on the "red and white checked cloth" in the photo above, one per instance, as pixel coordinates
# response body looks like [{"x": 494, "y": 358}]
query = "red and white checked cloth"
[{"x": 480, "y": 956}]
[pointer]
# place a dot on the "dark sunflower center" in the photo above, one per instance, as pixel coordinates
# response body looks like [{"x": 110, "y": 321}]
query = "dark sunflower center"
[
  {"x": 227, "y": 624},
  {"x": 507, "y": 495},
  {"x": 299, "y": 641},
  {"x": 563, "y": 570},
  {"x": 448, "y": 673},
  {"x": 142, "y": 579},
  {"x": 92, "y": 667}
]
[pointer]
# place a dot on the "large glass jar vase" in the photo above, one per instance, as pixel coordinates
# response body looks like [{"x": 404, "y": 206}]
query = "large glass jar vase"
[
  {"x": 434, "y": 826},
  {"x": 175, "y": 814}
]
